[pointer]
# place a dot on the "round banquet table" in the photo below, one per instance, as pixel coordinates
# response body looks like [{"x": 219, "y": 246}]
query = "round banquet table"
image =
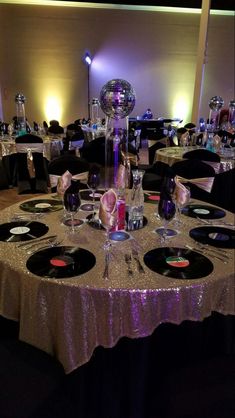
[
  {"x": 52, "y": 145},
  {"x": 70, "y": 317},
  {"x": 171, "y": 155}
]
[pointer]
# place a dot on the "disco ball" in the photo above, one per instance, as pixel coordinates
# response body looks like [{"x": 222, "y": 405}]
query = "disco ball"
[
  {"x": 117, "y": 98},
  {"x": 20, "y": 98},
  {"x": 216, "y": 103},
  {"x": 232, "y": 104}
]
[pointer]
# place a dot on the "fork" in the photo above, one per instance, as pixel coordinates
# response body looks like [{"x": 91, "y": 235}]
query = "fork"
[
  {"x": 209, "y": 254},
  {"x": 137, "y": 260},
  {"x": 128, "y": 262},
  {"x": 50, "y": 244}
]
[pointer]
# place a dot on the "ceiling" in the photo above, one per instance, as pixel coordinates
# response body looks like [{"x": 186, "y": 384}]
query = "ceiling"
[{"x": 215, "y": 4}]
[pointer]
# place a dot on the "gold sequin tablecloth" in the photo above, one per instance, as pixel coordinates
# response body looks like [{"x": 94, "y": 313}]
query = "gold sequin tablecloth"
[
  {"x": 171, "y": 155},
  {"x": 70, "y": 317},
  {"x": 51, "y": 147}
]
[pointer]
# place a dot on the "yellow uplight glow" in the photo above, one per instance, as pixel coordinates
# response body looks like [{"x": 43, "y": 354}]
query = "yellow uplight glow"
[
  {"x": 53, "y": 108},
  {"x": 181, "y": 107}
]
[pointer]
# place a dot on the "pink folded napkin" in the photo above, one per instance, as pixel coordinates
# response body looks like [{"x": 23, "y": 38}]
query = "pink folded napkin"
[
  {"x": 108, "y": 208},
  {"x": 64, "y": 182}
]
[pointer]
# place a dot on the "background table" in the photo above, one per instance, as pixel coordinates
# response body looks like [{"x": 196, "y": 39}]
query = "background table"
[{"x": 171, "y": 155}]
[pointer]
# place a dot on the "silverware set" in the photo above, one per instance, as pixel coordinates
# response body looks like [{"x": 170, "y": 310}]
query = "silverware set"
[
  {"x": 26, "y": 217},
  {"x": 128, "y": 260},
  {"x": 211, "y": 252},
  {"x": 40, "y": 244},
  {"x": 215, "y": 222}
]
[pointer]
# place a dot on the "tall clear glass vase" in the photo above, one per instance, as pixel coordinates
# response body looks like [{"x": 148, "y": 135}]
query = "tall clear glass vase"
[{"x": 116, "y": 147}]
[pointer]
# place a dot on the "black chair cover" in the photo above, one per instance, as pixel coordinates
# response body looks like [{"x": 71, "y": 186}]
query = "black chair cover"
[
  {"x": 191, "y": 169},
  {"x": 26, "y": 184},
  {"x": 202, "y": 154}
]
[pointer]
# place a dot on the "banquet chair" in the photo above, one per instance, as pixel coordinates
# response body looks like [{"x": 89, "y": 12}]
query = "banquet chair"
[
  {"x": 4, "y": 182},
  {"x": 94, "y": 151},
  {"x": 222, "y": 191},
  {"x": 153, "y": 177},
  {"x": 29, "y": 377},
  {"x": 31, "y": 166},
  {"x": 72, "y": 163},
  {"x": 153, "y": 149},
  {"x": 192, "y": 169},
  {"x": 55, "y": 127},
  {"x": 203, "y": 155}
]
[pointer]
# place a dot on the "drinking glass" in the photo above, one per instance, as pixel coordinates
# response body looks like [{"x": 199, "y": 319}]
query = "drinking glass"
[
  {"x": 181, "y": 198},
  {"x": 72, "y": 202},
  {"x": 166, "y": 211},
  {"x": 93, "y": 183}
]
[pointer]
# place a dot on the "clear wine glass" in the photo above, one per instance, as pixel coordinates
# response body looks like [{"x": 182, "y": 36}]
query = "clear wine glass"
[
  {"x": 72, "y": 202},
  {"x": 166, "y": 211},
  {"x": 93, "y": 183},
  {"x": 108, "y": 219},
  {"x": 181, "y": 198}
]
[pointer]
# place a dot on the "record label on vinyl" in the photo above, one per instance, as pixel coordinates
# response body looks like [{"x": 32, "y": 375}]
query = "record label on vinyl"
[
  {"x": 151, "y": 197},
  {"x": 203, "y": 211},
  {"x": 61, "y": 262},
  {"x": 178, "y": 263},
  {"x": 18, "y": 230},
  {"x": 217, "y": 236},
  {"x": 42, "y": 205},
  {"x": 22, "y": 231}
]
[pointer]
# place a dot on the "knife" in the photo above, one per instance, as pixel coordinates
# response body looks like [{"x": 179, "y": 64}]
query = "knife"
[{"x": 26, "y": 244}]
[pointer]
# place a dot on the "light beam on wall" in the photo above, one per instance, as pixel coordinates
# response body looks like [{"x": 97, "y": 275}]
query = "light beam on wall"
[
  {"x": 53, "y": 108},
  {"x": 181, "y": 107}
]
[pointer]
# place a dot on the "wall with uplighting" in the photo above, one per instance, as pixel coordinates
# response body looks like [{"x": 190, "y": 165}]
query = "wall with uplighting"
[{"x": 42, "y": 49}]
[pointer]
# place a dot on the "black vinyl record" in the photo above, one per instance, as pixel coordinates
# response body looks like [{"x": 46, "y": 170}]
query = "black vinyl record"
[
  {"x": 61, "y": 262},
  {"x": 178, "y": 263},
  {"x": 203, "y": 211},
  {"x": 41, "y": 205},
  {"x": 87, "y": 194},
  {"x": 217, "y": 236},
  {"x": 22, "y": 231}
]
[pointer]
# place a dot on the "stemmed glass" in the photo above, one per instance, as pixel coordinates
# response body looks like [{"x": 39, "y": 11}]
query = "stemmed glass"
[
  {"x": 107, "y": 244},
  {"x": 181, "y": 198},
  {"x": 108, "y": 219},
  {"x": 166, "y": 211},
  {"x": 93, "y": 183},
  {"x": 72, "y": 202}
]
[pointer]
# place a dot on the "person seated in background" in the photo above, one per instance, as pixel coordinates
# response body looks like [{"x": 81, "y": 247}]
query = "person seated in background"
[
  {"x": 55, "y": 127},
  {"x": 148, "y": 114}
]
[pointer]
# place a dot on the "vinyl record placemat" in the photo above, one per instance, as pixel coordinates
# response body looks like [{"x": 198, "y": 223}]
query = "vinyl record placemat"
[
  {"x": 22, "y": 231},
  {"x": 217, "y": 236},
  {"x": 87, "y": 194},
  {"x": 203, "y": 211},
  {"x": 61, "y": 262},
  {"x": 94, "y": 223},
  {"x": 41, "y": 205},
  {"x": 178, "y": 263},
  {"x": 151, "y": 197}
]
